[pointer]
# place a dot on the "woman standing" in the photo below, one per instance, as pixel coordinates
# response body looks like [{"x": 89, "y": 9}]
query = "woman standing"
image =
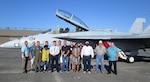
[{"x": 76, "y": 58}]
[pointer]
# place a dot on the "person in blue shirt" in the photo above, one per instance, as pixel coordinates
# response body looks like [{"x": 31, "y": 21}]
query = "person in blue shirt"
[
  {"x": 25, "y": 56},
  {"x": 47, "y": 43},
  {"x": 112, "y": 52},
  {"x": 31, "y": 50}
]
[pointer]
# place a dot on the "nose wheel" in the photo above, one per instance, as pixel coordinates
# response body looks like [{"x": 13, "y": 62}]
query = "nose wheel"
[{"x": 131, "y": 59}]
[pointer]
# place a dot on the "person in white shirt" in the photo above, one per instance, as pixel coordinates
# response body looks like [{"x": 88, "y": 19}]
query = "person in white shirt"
[
  {"x": 60, "y": 56},
  {"x": 54, "y": 51},
  {"x": 87, "y": 53}
]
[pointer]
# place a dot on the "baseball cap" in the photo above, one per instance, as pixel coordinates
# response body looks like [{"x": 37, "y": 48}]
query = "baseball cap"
[
  {"x": 100, "y": 41},
  {"x": 87, "y": 42}
]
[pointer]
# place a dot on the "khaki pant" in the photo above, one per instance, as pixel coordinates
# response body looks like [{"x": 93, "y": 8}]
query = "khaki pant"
[
  {"x": 70, "y": 61},
  {"x": 37, "y": 64},
  {"x": 24, "y": 64}
]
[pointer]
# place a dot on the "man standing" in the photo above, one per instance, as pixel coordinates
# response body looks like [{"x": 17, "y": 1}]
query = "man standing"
[
  {"x": 70, "y": 55},
  {"x": 37, "y": 54},
  {"x": 60, "y": 56},
  {"x": 100, "y": 52},
  {"x": 47, "y": 43},
  {"x": 86, "y": 54},
  {"x": 32, "y": 55},
  {"x": 112, "y": 57},
  {"x": 80, "y": 45},
  {"x": 65, "y": 57},
  {"x": 54, "y": 51},
  {"x": 25, "y": 56}
]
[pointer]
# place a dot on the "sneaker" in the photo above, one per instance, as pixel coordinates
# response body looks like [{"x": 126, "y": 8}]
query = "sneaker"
[
  {"x": 103, "y": 72},
  {"x": 67, "y": 72},
  {"x": 61, "y": 72},
  {"x": 24, "y": 72},
  {"x": 33, "y": 69},
  {"x": 89, "y": 72},
  {"x": 84, "y": 72},
  {"x": 95, "y": 72},
  {"x": 108, "y": 73},
  {"x": 36, "y": 71}
]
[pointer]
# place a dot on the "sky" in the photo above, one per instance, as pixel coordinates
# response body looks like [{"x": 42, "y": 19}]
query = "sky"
[{"x": 41, "y": 14}]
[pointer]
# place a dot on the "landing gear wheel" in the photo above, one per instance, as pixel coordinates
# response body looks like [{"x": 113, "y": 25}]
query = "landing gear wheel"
[{"x": 131, "y": 59}]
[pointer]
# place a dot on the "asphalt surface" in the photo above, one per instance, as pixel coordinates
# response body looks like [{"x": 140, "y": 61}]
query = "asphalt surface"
[{"x": 11, "y": 71}]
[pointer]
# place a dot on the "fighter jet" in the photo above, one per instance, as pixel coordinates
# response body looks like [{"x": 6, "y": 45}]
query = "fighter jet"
[{"x": 137, "y": 37}]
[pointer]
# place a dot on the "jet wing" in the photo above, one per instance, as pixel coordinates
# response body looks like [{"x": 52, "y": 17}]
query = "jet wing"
[
  {"x": 124, "y": 41},
  {"x": 96, "y": 35}
]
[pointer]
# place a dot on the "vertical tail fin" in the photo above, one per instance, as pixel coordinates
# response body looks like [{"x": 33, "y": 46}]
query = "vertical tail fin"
[
  {"x": 138, "y": 26},
  {"x": 147, "y": 30}
]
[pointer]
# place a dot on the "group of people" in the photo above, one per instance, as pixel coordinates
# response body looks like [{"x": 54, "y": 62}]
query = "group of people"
[{"x": 68, "y": 57}]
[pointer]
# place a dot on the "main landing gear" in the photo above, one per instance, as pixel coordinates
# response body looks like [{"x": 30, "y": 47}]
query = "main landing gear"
[{"x": 123, "y": 56}]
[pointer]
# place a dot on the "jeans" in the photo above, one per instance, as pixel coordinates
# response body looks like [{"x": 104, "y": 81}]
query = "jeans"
[
  {"x": 55, "y": 58},
  {"x": 87, "y": 63},
  {"x": 44, "y": 63},
  {"x": 110, "y": 66},
  {"x": 65, "y": 62},
  {"x": 100, "y": 58}
]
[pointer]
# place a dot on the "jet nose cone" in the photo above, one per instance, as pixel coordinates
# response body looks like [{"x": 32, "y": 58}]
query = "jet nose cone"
[
  {"x": 11, "y": 44},
  {"x": 1, "y": 45}
]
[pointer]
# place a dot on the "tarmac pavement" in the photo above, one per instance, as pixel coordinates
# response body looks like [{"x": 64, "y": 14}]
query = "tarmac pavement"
[{"x": 11, "y": 71}]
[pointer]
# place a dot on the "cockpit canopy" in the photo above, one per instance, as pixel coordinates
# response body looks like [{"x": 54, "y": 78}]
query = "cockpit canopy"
[{"x": 72, "y": 19}]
